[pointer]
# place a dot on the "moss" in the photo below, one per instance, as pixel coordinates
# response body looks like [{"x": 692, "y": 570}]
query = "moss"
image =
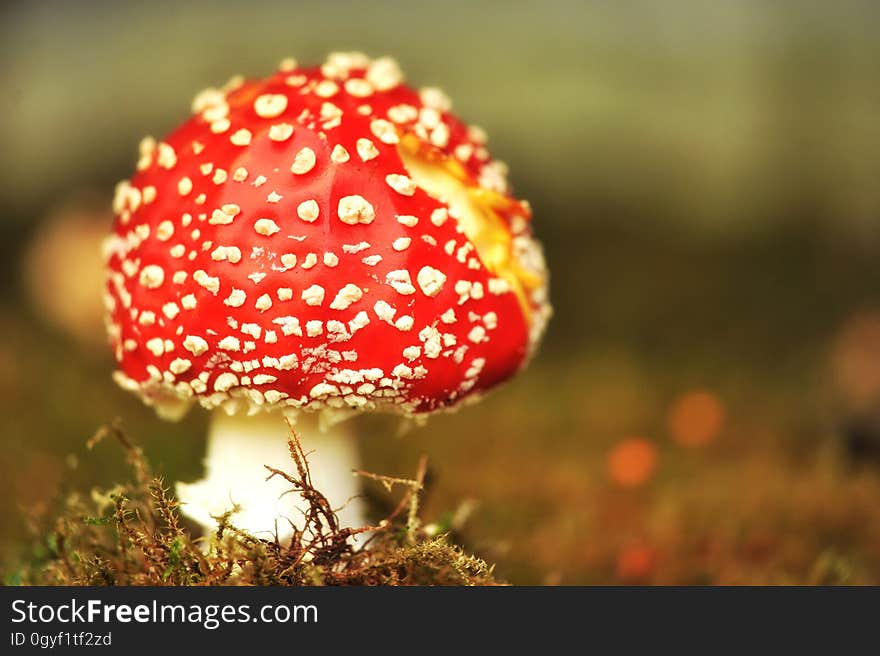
[{"x": 132, "y": 534}]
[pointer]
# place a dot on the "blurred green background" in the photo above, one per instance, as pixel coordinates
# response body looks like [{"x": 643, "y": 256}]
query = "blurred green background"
[{"x": 704, "y": 178}]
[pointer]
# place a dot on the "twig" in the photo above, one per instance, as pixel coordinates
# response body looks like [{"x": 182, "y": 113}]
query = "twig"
[
  {"x": 134, "y": 454},
  {"x": 410, "y": 498}
]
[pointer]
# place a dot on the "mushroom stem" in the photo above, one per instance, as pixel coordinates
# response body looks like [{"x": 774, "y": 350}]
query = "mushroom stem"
[{"x": 238, "y": 448}]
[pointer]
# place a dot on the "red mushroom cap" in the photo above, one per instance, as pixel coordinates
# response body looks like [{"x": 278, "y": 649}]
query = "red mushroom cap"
[{"x": 326, "y": 237}]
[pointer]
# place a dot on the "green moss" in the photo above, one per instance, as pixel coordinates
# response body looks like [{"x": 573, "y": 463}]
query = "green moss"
[{"x": 132, "y": 535}]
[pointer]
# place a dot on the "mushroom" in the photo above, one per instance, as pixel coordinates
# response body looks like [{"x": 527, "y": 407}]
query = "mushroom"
[{"x": 318, "y": 244}]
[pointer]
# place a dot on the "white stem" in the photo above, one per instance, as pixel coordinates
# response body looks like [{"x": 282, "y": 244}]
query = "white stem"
[{"x": 239, "y": 446}]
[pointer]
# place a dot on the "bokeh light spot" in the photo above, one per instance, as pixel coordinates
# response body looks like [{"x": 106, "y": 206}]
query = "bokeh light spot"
[
  {"x": 632, "y": 462},
  {"x": 635, "y": 562},
  {"x": 696, "y": 418}
]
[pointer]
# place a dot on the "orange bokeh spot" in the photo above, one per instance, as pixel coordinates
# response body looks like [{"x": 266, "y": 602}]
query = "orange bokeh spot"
[
  {"x": 632, "y": 461},
  {"x": 635, "y": 562},
  {"x": 696, "y": 418}
]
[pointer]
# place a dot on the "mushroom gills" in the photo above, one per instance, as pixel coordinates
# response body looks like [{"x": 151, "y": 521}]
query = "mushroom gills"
[{"x": 475, "y": 209}]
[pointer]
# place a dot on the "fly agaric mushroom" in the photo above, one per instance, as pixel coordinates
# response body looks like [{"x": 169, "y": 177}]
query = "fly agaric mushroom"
[{"x": 320, "y": 243}]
